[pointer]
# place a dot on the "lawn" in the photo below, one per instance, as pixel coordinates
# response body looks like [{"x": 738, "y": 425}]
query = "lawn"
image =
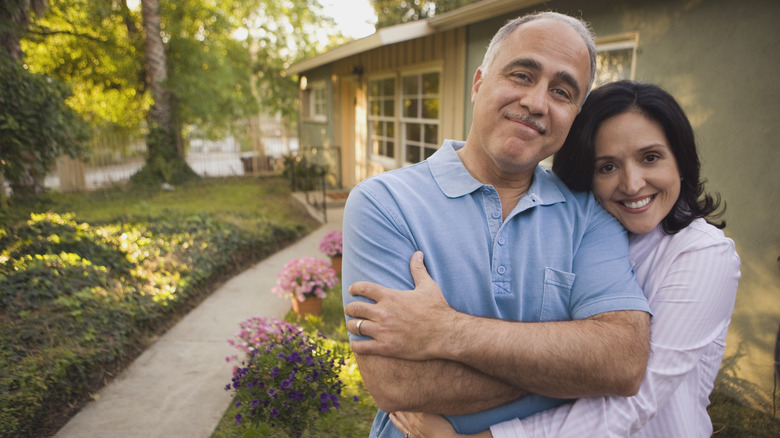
[{"x": 87, "y": 279}]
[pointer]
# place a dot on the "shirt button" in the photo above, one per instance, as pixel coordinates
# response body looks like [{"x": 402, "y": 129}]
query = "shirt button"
[
  {"x": 496, "y": 215},
  {"x": 502, "y": 270},
  {"x": 501, "y": 241}
]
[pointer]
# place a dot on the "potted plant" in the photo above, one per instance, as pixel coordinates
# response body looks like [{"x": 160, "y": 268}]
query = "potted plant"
[
  {"x": 331, "y": 246},
  {"x": 288, "y": 379},
  {"x": 306, "y": 281}
]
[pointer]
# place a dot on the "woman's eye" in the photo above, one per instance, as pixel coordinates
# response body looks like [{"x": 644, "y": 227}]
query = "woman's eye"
[
  {"x": 606, "y": 168},
  {"x": 651, "y": 158}
]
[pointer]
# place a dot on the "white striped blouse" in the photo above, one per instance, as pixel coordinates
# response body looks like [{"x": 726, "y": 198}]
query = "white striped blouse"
[{"x": 690, "y": 280}]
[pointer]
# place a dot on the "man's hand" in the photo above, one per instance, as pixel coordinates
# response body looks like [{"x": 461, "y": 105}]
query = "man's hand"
[{"x": 403, "y": 324}]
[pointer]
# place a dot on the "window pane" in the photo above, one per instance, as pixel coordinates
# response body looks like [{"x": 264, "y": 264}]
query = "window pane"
[
  {"x": 411, "y": 108},
  {"x": 613, "y": 65},
  {"x": 431, "y": 83},
  {"x": 389, "y": 108},
  {"x": 390, "y": 149},
  {"x": 410, "y": 85},
  {"x": 412, "y": 153},
  {"x": 432, "y": 134},
  {"x": 429, "y": 152},
  {"x": 373, "y": 88},
  {"x": 413, "y": 132},
  {"x": 375, "y": 108},
  {"x": 430, "y": 109},
  {"x": 389, "y": 87},
  {"x": 390, "y": 126}
]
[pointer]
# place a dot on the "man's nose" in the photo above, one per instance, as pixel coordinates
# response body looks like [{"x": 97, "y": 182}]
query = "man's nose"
[{"x": 535, "y": 99}]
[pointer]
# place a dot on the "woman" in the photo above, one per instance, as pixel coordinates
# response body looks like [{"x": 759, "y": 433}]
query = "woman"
[{"x": 633, "y": 146}]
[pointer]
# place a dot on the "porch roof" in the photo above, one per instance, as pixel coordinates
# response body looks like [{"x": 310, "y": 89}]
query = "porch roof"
[{"x": 460, "y": 17}]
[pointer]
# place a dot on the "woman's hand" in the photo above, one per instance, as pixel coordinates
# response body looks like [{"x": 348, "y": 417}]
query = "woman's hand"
[{"x": 421, "y": 425}]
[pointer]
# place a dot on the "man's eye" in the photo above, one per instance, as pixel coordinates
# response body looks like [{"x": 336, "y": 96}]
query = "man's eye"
[{"x": 563, "y": 93}]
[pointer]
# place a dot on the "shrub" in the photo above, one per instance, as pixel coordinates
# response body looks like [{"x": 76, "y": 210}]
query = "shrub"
[{"x": 76, "y": 299}]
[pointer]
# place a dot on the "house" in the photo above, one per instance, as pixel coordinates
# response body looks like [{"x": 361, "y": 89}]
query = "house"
[{"x": 388, "y": 100}]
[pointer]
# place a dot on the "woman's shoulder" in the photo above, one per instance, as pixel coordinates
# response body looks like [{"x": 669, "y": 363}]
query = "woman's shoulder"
[{"x": 700, "y": 235}]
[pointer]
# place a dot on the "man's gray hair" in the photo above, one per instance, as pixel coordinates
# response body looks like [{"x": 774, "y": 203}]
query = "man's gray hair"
[{"x": 582, "y": 28}]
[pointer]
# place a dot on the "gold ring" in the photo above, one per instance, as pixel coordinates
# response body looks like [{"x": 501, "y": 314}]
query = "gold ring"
[{"x": 357, "y": 327}]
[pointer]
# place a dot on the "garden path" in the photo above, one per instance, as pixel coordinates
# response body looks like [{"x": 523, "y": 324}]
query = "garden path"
[{"x": 176, "y": 387}]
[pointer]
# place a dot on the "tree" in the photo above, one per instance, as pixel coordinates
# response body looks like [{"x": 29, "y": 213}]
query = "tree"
[
  {"x": 392, "y": 12},
  {"x": 165, "y": 153},
  {"x": 224, "y": 60},
  {"x": 36, "y": 126}
]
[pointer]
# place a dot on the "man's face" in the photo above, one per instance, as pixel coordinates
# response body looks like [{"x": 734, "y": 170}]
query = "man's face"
[{"x": 526, "y": 102}]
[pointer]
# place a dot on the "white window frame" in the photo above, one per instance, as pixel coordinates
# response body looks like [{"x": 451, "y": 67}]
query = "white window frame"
[
  {"x": 384, "y": 160},
  {"x": 401, "y": 122},
  {"x": 406, "y": 121},
  {"x": 315, "y": 102},
  {"x": 613, "y": 43}
]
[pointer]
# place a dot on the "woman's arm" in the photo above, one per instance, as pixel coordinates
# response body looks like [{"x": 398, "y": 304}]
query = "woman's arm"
[{"x": 691, "y": 308}]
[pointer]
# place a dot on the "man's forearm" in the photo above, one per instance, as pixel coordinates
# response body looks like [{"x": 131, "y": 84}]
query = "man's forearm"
[
  {"x": 603, "y": 355},
  {"x": 434, "y": 386}
]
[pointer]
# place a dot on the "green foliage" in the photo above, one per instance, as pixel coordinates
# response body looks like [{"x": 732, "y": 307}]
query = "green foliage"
[
  {"x": 77, "y": 299},
  {"x": 97, "y": 48},
  {"x": 36, "y": 127},
  {"x": 392, "y": 12}
]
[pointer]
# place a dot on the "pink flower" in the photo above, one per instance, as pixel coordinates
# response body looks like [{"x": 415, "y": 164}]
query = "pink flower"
[
  {"x": 305, "y": 277},
  {"x": 331, "y": 244}
]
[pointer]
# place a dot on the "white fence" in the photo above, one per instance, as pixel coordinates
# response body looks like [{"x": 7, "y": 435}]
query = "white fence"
[{"x": 115, "y": 158}]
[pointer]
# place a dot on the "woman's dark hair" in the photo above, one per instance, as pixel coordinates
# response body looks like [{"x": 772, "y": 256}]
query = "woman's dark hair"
[{"x": 575, "y": 162}]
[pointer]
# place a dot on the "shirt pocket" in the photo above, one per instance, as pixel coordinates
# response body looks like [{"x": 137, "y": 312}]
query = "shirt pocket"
[{"x": 557, "y": 295}]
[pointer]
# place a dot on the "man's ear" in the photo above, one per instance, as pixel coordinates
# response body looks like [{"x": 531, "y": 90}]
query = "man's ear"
[{"x": 477, "y": 83}]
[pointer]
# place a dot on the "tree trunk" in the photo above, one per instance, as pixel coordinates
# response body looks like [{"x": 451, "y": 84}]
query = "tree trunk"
[
  {"x": 156, "y": 68},
  {"x": 165, "y": 161}
]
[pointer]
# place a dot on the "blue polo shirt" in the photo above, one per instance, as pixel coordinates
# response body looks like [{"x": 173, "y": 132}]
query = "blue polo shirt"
[{"x": 557, "y": 256}]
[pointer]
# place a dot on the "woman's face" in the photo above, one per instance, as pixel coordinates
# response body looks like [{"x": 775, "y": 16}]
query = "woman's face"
[{"x": 636, "y": 177}]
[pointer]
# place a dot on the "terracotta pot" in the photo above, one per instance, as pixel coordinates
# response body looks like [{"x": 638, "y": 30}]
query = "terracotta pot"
[
  {"x": 309, "y": 306},
  {"x": 335, "y": 262}
]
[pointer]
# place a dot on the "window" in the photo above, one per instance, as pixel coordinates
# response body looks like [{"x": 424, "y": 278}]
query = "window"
[
  {"x": 381, "y": 117},
  {"x": 409, "y": 102},
  {"x": 315, "y": 102},
  {"x": 616, "y": 58},
  {"x": 420, "y": 116}
]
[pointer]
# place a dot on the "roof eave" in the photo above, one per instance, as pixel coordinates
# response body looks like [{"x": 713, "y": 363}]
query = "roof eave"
[
  {"x": 380, "y": 38},
  {"x": 460, "y": 17}
]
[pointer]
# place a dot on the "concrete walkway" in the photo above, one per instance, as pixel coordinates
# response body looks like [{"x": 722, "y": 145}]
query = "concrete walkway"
[{"x": 176, "y": 387}]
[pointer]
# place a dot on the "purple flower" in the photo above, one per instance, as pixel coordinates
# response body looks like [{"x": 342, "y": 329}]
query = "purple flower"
[
  {"x": 286, "y": 384},
  {"x": 254, "y": 403},
  {"x": 324, "y": 407},
  {"x": 274, "y": 413},
  {"x": 355, "y": 398},
  {"x": 238, "y": 418},
  {"x": 272, "y": 392}
]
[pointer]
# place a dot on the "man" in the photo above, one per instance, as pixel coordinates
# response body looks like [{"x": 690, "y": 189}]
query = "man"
[{"x": 506, "y": 240}]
